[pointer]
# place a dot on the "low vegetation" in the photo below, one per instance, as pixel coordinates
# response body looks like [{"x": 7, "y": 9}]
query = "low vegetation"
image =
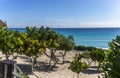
[
  {"x": 83, "y": 48},
  {"x": 77, "y": 65},
  {"x": 34, "y": 41},
  {"x": 108, "y": 60},
  {"x": 111, "y": 65}
]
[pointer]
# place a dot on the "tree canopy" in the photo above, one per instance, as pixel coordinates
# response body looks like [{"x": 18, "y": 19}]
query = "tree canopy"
[{"x": 33, "y": 42}]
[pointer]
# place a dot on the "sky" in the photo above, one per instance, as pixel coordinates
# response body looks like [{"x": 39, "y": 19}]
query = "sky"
[{"x": 60, "y": 13}]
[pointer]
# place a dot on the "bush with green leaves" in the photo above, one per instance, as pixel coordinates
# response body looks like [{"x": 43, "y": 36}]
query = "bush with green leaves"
[
  {"x": 25, "y": 76},
  {"x": 8, "y": 41},
  {"x": 77, "y": 66},
  {"x": 66, "y": 44},
  {"x": 97, "y": 55},
  {"x": 33, "y": 42},
  {"x": 83, "y": 48},
  {"x": 111, "y": 65}
]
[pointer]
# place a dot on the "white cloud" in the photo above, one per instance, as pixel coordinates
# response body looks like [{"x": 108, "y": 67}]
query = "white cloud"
[
  {"x": 77, "y": 23},
  {"x": 69, "y": 23},
  {"x": 100, "y": 24}
]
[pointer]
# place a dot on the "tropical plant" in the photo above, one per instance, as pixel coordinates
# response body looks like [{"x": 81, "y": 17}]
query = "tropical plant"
[
  {"x": 18, "y": 42},
  {"x": 55, "y": 41},
  {"x": 86, "y": 55},
  {"x": 97, "y": 55},
  {"x": 2, "y": 35},
  {"x": 66, "y": 44},
  {"x": 77, "y": 66},
  {"x": 8, "y": 41},
  {"x": 83, "y": 48},
  {"x": 48, "y": 38},
  {"x": 25, "y": 76},
  {"x": 31, "y": 45},
  {"x": 111, "y": 64},
  {"x": 53, "y": 45}
]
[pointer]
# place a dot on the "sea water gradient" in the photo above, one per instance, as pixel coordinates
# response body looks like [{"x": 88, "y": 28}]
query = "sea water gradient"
[{"x": 98, "y": 37}]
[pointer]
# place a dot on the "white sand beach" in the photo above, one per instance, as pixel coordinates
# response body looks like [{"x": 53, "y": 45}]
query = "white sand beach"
[{"x": 61, "y": 70}]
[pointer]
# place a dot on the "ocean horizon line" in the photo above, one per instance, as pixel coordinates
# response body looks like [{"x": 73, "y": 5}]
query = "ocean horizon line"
[{"x": 64, "y": 27}]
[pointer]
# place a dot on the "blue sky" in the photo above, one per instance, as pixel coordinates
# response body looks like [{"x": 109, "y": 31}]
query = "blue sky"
[{"x": 61, "y": 13}]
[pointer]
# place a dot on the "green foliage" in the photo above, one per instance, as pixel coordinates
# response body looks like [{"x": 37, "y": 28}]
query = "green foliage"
[
  {"x": 27, "y": 43},
  {"x": 52, "y": 39},
  {"x": 97, "y": 55},
  {"x": 25, "y": 76},
  {"x": 7, "y": 41},
  {"x": 77, "y": 66},
  {"x": 83, "y": 48},
  {"x": 86, "y": 54},
  {"x": 32, "y": 32},
  {"x": 2, "y": 36},
  {"x": 31, "y": 44},
  {"x": 66, "y": 43},
  {"x": 18, "y": 41},
  {"x": 111, "y": 65}
]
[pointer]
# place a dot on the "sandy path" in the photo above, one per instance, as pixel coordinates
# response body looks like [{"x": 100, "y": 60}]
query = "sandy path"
[{"x": 61, "y": 71}]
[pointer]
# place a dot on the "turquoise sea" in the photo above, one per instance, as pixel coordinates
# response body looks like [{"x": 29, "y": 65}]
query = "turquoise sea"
[{"x": 98, "y": 37}]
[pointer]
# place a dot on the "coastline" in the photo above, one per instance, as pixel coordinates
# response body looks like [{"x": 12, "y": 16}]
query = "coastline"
[{"x": 105, "y": 48}]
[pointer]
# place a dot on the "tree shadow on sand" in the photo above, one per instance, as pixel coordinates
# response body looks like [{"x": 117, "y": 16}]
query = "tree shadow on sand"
[
  {"x": 25, "y": 68},
  {"x": 44, "y": 67},
  {"x": 91, "y": 70},
  {"x": 94, "y": 67},
  {"x": 41, "y": 66}
]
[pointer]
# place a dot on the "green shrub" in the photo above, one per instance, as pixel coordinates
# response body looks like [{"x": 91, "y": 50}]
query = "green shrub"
[
  {"x": 77, "y": 66},
  {"x": 111, "y": 65},
  {"x": 83, "y": 48}
]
